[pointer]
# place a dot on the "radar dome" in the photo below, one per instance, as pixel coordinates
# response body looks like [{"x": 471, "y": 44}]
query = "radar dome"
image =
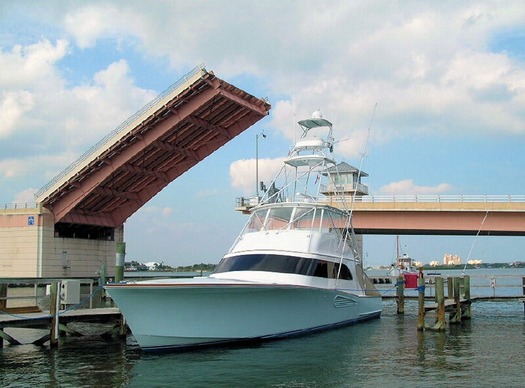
[{"x": 317, "y": 115}]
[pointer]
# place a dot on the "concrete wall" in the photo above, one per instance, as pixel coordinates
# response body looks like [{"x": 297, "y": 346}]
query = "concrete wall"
[
  {"x": 19, "y": 241},
  {"x": 29, "y": 248}
]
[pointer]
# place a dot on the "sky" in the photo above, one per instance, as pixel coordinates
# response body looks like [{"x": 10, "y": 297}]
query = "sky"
[{"x": 427, "y": 97}]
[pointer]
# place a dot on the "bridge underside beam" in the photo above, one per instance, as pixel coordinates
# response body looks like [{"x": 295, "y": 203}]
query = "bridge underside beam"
[{"x": 496, "y": 223}]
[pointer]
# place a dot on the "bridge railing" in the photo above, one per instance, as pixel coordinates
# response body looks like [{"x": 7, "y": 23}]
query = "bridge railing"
[
  {"x": 15, "y": 206},
  {"x": 441, "y": 198},
  {"x": 247, "y": 203}
]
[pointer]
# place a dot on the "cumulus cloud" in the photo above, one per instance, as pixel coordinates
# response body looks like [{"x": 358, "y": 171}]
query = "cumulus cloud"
[
  {"x": 242, "y": 173},
  {"x": 407, "y": 186},
  {"x": 27, "y": 67},
  {"x": 416, "y": 62},
  {"x": 429, "y": 68},
  {"x": 10, "y": 168},
  {"x": 13, "y": 105},
  {"x": 26, "y": 196},
  {"x": 89, "y": 23},
  {"x": 51, "y": 118}
]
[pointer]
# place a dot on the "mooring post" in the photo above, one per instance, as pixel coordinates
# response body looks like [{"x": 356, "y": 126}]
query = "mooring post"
[
  {"x": 54, "y": 305},
  {"x": 450, "y": 288},
  {"x": 457, "y": 301},
  {"x": 440, "y": 301},
  {"x": 3, "y": 295},
  {"x": 467, "y": 313},
  {"x": 421, "y": 300},
  {"x": 123, "y": 329},
  {"x": 523, "y": 280},
  {"x": 120, "y": 260},
  {"x": 400, "y": 284}
]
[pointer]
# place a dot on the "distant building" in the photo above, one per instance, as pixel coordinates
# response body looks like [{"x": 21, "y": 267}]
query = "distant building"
[
  {"x": 152, "y": 265},
  {"x": 450, "y": 259},
  {"x": 475, "y": 262},
  {"x": 434, "y": 263}
]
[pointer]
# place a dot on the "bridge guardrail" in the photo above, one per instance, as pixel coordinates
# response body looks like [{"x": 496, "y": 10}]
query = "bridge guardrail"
[
  {"x": 442, "y": 198},
  {"x": 14, "y": 206},
  {"x": 424, "y": 198}
]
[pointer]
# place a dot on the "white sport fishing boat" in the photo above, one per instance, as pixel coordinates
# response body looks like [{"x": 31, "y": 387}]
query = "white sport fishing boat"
[{"x": 293, "y": 269}]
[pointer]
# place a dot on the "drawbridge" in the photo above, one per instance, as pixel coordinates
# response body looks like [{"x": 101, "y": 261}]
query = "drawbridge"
[{"x": 182, "y": 126}]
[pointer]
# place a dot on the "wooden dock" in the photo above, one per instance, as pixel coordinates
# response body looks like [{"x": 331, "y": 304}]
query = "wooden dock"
[
  {"x": 61, "y": 312},
  {"x": 457, "y": 303},
  {"x": 58, "y": 323}
]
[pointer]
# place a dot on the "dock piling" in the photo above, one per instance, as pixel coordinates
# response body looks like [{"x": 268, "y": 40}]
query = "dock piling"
[
  {"x": 456, "y": 318},
  {"x": 53, "y": 311},
  {"x": 3, "y": 295},
  {"x": 421, "y": 300},
  {"x": 523, "y": 280},
  {"x": 466, "y": 311},
  {"x": 440, "y": 300},
  {"x": 450, "y": 288},
  {"x": 400, "y": 297}
]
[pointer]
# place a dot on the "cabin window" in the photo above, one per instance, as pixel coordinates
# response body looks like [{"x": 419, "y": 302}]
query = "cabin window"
[{"x": 284, "y": 264}]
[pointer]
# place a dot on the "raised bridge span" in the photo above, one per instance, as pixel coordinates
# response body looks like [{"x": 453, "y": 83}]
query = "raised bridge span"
[
  {"x": 182, "y": 126},
  {"x": 495, "y": 215}
]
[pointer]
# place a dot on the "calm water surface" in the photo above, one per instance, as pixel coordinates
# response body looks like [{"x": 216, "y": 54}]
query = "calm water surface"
[{"x": 487, "y": 351}]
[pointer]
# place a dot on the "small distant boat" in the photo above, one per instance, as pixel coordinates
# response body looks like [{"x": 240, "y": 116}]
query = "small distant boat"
[
  {"x": 291, "y": 271},
  {"x": 403, "y": 265}
]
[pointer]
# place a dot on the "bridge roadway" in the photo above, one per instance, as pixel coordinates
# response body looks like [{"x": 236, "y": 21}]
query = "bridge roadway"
[{"x": 495, "y": 215}]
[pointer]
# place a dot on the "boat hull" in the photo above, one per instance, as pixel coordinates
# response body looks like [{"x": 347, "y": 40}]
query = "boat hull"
[{"x": 181, "y": 316}]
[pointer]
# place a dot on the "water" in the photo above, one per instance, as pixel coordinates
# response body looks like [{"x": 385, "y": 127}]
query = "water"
[{"x": 487, "y": 351}]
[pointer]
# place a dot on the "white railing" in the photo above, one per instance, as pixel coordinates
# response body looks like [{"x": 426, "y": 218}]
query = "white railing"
[
  {"x": 250, "y": 202},
  {"x": 442, "y": 198},
  {"x": 14, "y": 206}
]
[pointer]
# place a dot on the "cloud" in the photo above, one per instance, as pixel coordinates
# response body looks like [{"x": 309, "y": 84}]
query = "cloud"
[
  {"x": 424, "y": 65},
  {"x": 44, "y": 122},
  {"x": 32, "y": 66},
  {"x": 11, "y": 168},
  {"x": 26, "y": 196},
  {"x": 13, "y": 105},
  {"x": 407, "y": 186},
  {"x": 242, "y": 173},
  {"x": 207, "y": 193},
  {"x": 92, "y": 22}
]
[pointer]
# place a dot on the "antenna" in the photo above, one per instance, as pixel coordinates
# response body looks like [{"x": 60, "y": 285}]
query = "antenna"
[{"x": 474, "y": 242}]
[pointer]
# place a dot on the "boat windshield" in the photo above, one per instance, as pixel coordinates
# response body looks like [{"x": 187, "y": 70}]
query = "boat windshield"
[
  {"x": 296, "y": 217},
  {"x": 283, "y": 264}
]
